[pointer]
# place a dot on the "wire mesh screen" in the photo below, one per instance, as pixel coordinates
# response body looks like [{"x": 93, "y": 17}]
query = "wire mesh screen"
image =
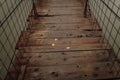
[
  {"x": 13, "y": 15},
  {"x": 107, "y": 13}
]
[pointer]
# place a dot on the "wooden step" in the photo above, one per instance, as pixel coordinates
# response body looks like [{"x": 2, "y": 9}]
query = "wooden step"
[
  {"x": 91, "y": 71},
  {"x": 58, "y": 11},
  {"x": 47, "y": 4},
  {"x": 63, "y": 61},
  {"x": 75, "y": 54},
  {"x": 57, "y": 3},
  {"x": 61, "y": 27},
  {"x": 63, "y": 34},
  {"x": 62, "y": 41},
  {"x": 63, "y": 19},
  {"x": 58, "y": 7},
  {"x": 65, "y": 9},
  {"x": 66, "y": 58},
  {"x": 62, "y": 48}
]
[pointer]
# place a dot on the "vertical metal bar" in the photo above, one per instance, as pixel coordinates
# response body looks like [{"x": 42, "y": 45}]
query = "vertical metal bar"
[
  {"x": 35, "y": 10},
  {"x": 85, "y": 10}
]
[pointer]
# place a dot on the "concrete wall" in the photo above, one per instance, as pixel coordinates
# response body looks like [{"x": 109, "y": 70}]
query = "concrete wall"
[
  {"x": 11, "y": 29},
  {"x": 109, "y": 22}
]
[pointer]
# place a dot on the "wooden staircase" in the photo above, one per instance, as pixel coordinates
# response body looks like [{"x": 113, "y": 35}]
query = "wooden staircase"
[{"x": 61, "y": 45}]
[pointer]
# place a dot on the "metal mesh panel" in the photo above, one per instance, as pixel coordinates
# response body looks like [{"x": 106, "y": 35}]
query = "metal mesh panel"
[
  {"x": 13, "y": 15},
  {"x": 105, "y": 14}
]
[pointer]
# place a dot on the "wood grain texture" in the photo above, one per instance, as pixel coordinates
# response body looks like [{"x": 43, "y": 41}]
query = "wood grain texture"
[{"x": 62, "y": 45}]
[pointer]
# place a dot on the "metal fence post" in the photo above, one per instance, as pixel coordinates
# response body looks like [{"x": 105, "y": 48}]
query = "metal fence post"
[
  {"x": 85, "y": 10},
  {"x": 35, "y": 10}
]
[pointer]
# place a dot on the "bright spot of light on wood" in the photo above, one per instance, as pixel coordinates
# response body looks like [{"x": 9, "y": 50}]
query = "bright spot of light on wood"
[
  {"x": 56, "y": 39},
  {"x": 53, "y": 44},
  {"x": 67, "y": 47}
]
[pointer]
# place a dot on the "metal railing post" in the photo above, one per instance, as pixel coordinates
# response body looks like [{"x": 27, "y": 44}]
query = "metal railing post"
[
  {"x": 85, "y": 10},
  {"x": 35, "y": 10}
]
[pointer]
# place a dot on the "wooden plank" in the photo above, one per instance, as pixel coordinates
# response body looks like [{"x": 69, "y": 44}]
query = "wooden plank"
[
  {"x": 21, "y": 75},
  {"x": 62, "y": 19},
  {"x": 76, "y": 54},
  {"x": 60, "y": 27},
  {"x": 48, "y": 61},
  {"x": 48, "y": 12},
  {"x": 63, "y": 34},
  {"x": 45, "y": 3},
  {"x": 66, "y": 68},
  {"x": 67, "y": 41},
  {"x": 61, "y": 12},
  {"x": 58, "y": 7},
  {"x": 62, "y": 48},
  {"x": 87, "y": 71},
  {"x": 37, "y": 21},
  {"x": 65, "y": 57}
]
